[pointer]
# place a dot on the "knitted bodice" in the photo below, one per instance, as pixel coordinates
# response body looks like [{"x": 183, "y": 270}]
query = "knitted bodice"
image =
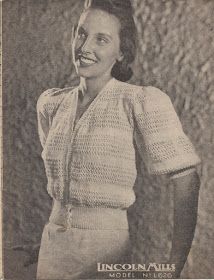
[{"x": 93, "y": 162}]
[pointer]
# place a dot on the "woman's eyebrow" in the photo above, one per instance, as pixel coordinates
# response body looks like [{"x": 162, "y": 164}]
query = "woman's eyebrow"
[{"x": 104, "y": 35}]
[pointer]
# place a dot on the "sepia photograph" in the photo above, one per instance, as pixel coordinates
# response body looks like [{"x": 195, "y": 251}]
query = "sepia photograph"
[{"x": 107, "y": 139}]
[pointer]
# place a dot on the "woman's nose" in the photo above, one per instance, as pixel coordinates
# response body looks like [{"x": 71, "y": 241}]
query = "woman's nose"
[{"x": 87, "y": 45}]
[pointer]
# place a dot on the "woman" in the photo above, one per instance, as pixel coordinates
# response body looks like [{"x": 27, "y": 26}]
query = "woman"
[{"x": 90, "y": 136}]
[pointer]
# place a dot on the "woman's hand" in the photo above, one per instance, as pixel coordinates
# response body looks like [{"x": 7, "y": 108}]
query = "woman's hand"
[
  {"x": 32, "y": 252},
  {"x": 186, "y": 191}
]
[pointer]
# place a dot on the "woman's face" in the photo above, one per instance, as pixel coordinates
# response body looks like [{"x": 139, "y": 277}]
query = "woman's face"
[{"x": 96, "y": 45}]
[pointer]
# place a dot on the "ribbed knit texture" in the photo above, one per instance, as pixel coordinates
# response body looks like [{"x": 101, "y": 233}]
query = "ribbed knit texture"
[
  {"x": 94, "y": 162},
  {"x": 88, "y": 217}
]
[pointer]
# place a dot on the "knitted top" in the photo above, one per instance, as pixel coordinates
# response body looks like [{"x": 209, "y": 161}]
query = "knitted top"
[{"x": 93, "y": 162}]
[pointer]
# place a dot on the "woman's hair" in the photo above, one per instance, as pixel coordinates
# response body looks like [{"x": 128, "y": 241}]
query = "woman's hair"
[{"x": 123, "y": 11}]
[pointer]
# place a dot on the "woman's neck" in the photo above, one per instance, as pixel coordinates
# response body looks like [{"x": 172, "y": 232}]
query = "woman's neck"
[{"x": 92, "y": 87}]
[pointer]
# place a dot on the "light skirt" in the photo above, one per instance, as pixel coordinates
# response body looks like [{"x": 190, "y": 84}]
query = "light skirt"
[{"x": 73, "y": 253}]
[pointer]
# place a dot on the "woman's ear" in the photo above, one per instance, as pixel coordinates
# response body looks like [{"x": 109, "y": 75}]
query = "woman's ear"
[{"x": 121, "y": 56}]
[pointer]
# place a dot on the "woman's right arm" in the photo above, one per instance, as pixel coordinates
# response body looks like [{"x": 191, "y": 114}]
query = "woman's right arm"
[
  {"x": 45, "y": 109},
  {"x": 46, "y": 106}
]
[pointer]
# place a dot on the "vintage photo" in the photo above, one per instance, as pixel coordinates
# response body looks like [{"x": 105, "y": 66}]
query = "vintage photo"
[{"x": 107, "y": 139}]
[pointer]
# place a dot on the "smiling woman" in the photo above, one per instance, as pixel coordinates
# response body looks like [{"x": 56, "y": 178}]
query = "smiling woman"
[
  {"x": 96, "y": 47},
  {"x": 91, "y": 136}
]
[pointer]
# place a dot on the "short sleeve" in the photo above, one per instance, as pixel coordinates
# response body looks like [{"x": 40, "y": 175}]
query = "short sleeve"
[
  {"x": 158, "y": 134},
  {"x": 45, "y": 110}
]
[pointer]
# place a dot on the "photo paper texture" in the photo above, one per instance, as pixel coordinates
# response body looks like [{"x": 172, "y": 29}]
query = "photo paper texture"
[{"x": 174, "y": 57}]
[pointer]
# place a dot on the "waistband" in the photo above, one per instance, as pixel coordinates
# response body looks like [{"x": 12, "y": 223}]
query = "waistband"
[{"x": 84, "y": 217}]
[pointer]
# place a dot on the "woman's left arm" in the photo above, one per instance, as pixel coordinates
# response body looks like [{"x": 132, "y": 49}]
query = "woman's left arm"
[
  {"x": 166, "y": 149},
  {"x": 186, "y": 191}
]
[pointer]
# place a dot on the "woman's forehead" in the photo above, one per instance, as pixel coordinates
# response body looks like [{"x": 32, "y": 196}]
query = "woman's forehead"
[{"x": 98, "y": 20}]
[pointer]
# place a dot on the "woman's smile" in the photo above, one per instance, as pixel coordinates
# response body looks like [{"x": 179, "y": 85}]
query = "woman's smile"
[{"x": 84, "y": 61}]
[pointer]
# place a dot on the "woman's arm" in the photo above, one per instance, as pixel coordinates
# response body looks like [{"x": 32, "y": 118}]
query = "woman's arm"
[{"x": 186, "y": 191}]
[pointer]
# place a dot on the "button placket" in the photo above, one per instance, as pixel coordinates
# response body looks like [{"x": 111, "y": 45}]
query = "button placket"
[{"x": 68, "y": 153}]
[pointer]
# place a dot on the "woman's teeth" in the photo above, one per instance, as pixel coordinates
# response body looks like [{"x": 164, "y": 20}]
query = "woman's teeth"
[{"x": 87, "y": 60}]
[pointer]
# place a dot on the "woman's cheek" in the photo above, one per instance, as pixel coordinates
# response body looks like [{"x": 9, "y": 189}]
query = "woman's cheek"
[{"x": 106, "y": 53}]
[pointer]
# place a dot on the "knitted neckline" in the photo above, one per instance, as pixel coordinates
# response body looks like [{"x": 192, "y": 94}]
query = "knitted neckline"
[{"x": 92, "y": 104}]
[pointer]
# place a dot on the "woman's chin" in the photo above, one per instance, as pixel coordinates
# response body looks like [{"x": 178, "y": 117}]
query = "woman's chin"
[
  {"x": 85, "y": 76},
  {"x": 83, "y": 73}
]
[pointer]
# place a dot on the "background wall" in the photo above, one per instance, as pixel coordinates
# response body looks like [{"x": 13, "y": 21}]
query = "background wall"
[{"x": 176, "y": 50}]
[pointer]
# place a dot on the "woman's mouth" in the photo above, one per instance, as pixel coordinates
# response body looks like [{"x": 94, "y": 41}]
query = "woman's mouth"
[{"x": 85, "y": 61}]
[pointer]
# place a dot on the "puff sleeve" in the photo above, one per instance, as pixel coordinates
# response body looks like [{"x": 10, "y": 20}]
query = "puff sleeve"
[
  {"x": 46, "y": 105},
  {"x": 158, "y": 134}
]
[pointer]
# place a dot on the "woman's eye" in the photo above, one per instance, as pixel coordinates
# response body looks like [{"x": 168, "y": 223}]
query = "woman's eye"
[
  {"x": 102, "y": 40},
  {"x": 81, "y": 36}
]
